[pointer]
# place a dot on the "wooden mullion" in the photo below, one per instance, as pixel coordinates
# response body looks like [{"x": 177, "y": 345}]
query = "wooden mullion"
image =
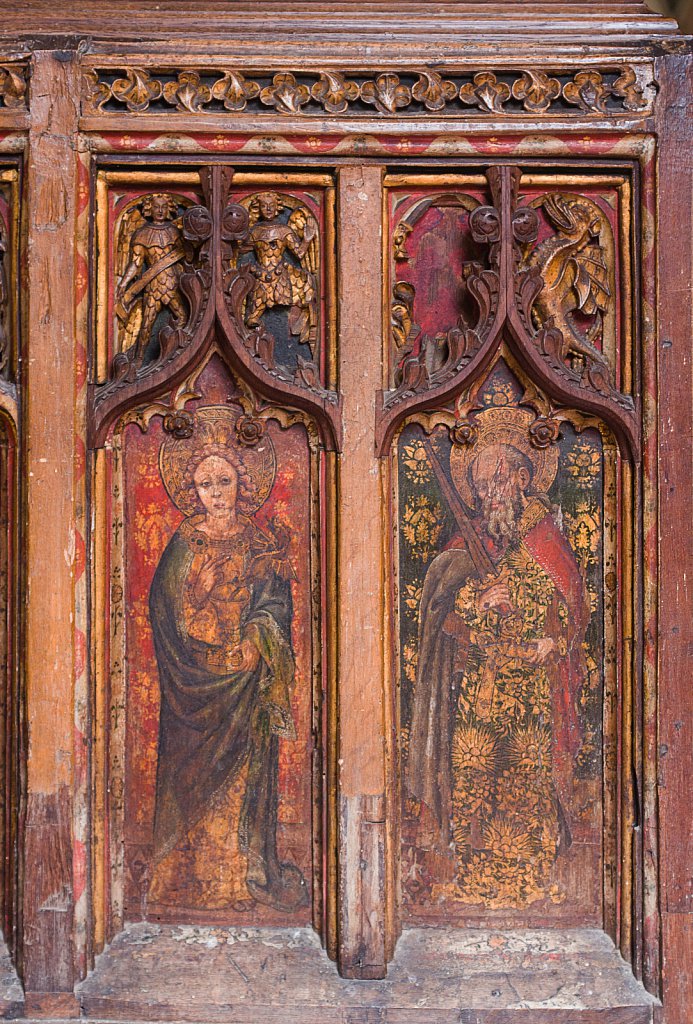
[
  {"x": 49, "y": 422},
  {"x": 362, "y": 766}
]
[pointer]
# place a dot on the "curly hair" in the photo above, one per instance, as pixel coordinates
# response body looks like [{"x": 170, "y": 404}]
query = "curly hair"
[
  {"x": 246, "y": 491},
  {"x": 149, "y": 199}
]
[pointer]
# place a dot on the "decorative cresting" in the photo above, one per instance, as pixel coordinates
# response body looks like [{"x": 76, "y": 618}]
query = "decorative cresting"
[
  {"x": 526, "y": 296},
  {"x": 13, "y": 86},
  {"x": 194, "y": 271},
  {"x": 623, "y": 89}
]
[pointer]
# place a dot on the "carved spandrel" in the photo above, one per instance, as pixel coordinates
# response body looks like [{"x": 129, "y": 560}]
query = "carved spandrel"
[
  {"x": 436, "y": 244},
  {"x": 538, "y": 270},
  {"x": 231, "y": 269}
]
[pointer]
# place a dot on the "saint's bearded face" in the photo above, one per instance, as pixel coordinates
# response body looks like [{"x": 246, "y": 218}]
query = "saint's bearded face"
[{"x": 499, "y": 480}]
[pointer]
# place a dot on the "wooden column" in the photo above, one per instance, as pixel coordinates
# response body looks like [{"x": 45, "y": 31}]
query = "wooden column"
[
  {"x": 49, "y": 376},
  {"x": 361, "y": 775},
  {"x": 675, "y": 748}
]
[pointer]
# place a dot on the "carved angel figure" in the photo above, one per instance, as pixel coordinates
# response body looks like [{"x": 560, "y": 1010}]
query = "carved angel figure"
[
  {"x": 152, "y": 246},
  {"x": 576, "y": 277},
  {"x": 279, "y": 282}
]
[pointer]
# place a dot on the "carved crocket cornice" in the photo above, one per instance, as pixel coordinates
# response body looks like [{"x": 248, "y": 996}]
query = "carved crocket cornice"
[
  {"x": 608, "y": 90},
  {"x": 13, "y": 86}
]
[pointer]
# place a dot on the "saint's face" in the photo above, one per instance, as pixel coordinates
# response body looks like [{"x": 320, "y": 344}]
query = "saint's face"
[
  {"x": 500, "y": 488},
  {"x": 216, "y": 482},
  {"x": 493, "y": 478}
]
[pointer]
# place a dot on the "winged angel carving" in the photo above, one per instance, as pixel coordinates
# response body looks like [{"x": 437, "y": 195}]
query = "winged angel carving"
[
  {"x": 573, "y": 266},
  {"x": 149, "y": 254},
  {"x": 285, "y": 264}
]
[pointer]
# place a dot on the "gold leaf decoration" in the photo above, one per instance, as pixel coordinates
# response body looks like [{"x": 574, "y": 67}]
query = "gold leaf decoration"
[
  {"x": 234, "y": 90},
  {"x": 187, "y": 92},
  {"x": 334, "y": 93},
  {"x": 285, "y": 94},
  {"x": 386, "y": 93},
  {"x": 536, "y": 91},
  {"x": 137, "y": 90},
  {"x": 486, "y": 91}
]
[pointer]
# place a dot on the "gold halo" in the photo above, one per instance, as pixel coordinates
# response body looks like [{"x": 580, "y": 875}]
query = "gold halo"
[
  {"x": 503, "y": 426},
  {"x": 214, "y": 428}
]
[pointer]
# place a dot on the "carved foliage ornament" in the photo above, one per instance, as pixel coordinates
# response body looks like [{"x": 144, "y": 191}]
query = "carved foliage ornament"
[
  {"x": 612, "y": 90},
  {"x": 13, "y": 86}
]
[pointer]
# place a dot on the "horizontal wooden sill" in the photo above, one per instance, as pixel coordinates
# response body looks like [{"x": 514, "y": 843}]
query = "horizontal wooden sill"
[{"x": 282, "y": 976}]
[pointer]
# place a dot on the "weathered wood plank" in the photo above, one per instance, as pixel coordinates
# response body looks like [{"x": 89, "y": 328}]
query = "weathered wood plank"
[{"x": 274, "y": 975}]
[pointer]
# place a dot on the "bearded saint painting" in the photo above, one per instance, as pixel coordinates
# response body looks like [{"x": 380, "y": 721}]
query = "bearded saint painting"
[
  {"x": 221, "y": 611},
  {"x": 494, "y": 728}
]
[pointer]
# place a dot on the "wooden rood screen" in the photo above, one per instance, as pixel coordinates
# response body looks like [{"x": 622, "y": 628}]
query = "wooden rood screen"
[{"x": 343, "y": 616}]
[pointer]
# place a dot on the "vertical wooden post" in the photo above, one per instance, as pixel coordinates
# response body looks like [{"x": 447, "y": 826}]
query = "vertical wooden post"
[
  {"x": 675, "y": 386},
  {"x": 49, "y": 376},
  {"x": 361, "y": 778}
]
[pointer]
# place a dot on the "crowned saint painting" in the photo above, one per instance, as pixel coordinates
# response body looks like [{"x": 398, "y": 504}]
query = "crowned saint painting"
[{"x": 494, "y": 729}]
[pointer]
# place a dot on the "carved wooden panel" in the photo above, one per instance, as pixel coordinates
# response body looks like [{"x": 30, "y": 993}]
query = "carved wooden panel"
[
  {"x": 512, "y": 406},
  {"x": 214, "y": 340}
]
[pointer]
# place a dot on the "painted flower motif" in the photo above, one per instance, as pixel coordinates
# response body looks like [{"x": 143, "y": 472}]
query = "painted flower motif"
[
  {"x": 500, "y": 393},
  {"x": 474, "y": 749},
  {"x": 508, "y": 841},
  {"x": 410, "y": 657},
  {"x": 583, "y": 464},
  {"x": 583, "y": 529},
  {"x": 421, "y": 526},
  {"x": 137, "y": 90},
  {"x": 529, "y": 748},
  {"x": 386, "y": 93},
  {"x": 412, "y": 596},
  {"x": 416, "y": 462}
]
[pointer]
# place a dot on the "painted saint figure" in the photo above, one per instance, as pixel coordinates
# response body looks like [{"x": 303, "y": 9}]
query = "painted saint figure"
[
  {"x": 151, "y": 277},
  {"x": 494, "y": 728},
  {"x": 221, "y": 610}
]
